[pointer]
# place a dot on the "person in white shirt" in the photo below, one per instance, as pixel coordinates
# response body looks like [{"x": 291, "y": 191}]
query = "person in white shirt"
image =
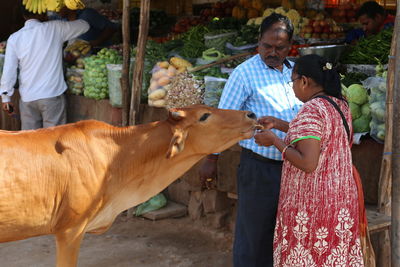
[{"x": 36, "y": 51}]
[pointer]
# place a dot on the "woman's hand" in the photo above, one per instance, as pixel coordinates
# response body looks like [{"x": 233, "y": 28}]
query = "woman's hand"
[
  {"x": 268, "y": 122},
  {"x": 265, "y": 138}
]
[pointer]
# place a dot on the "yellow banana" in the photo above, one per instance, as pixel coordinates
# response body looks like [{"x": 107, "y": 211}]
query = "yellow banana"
[
  {"x": 53, "y": 5},
  {"x": 74, "y": 4}
]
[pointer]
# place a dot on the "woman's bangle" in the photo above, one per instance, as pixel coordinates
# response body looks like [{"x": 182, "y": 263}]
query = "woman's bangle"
[{"x": 284, "y": 150}]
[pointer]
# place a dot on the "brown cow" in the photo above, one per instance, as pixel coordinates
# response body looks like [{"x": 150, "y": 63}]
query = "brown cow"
[{"x": 76, "y": 178}]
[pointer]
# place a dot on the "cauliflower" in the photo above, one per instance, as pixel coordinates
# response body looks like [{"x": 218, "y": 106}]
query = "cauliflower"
[
  {"x": 258, "y": 20},
  {"x": 294, "y": 16},
  {"x": 251, "y": 21},
  {"x": 357, "y": 94},
  {"x": 268, "y": 12},
  {"x": 280, "y": 10}
]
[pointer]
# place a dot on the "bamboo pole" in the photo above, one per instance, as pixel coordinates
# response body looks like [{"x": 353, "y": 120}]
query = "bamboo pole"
[
  {"x": 139, "y": 64},
  {"x": 220, "y": 61},
  {"x": 385, "y": 178},
  {"x": 395, "y": 237},
  {"x": 126, "y": 61}
]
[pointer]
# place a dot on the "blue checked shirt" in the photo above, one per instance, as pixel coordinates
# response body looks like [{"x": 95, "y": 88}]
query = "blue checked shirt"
[{"x": 256, "y": 87}]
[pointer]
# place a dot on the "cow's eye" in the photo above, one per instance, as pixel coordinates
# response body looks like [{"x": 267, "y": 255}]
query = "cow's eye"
[{"x": 204, "y": 116}]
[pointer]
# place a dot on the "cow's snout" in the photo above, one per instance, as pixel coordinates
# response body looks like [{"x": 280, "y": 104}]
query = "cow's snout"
[{"x": 251, "y": 115}]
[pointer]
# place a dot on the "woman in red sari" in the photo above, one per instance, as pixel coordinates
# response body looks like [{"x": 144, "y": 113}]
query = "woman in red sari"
[{"x": 318, "y": 213}]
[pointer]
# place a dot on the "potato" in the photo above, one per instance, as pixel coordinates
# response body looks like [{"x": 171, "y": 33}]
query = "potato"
[
  {"x": 157, "y": 94},
  {"x": 164, "y": 81},
  {"x": 160, "y": 73},
  {"x": 163, "y": 64},
  {"x": 171, "y": 71},
  {"x": 159, "y": 103},
  {"x": 153, "y": 86}
]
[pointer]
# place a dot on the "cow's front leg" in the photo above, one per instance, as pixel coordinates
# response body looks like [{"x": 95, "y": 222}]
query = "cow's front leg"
[{"x": 68, "y": 244}]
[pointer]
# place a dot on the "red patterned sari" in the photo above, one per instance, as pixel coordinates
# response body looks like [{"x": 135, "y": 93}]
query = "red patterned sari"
[{"x": 318, "y": 212}]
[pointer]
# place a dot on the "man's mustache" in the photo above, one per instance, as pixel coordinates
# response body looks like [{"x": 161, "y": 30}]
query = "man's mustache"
[{"x": 272, "y": 58}]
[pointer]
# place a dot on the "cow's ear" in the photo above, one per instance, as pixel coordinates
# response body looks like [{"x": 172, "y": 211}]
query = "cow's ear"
[
  {"x": 177, "y": 143},
  {"x": 175, "y": 115}
]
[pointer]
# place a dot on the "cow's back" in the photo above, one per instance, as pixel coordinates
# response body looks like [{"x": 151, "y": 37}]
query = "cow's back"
[{"x": 43, "y": 175}]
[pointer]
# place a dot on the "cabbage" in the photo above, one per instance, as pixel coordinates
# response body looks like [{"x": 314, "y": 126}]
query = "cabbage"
[
  {"x": 355, "y": 110},
  {"x": 357, "y": 94},
  {"x": 366, "y": 110},
  {"x": 361, "y": 124}
]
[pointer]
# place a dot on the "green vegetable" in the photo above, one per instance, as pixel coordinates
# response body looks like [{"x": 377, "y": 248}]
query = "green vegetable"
[
  {"x": 355, "y": 110},
  {"x": 366, "y": 110},
  {"x": 353, "y": 77},
  {"x": 370, "y": 49},
  {"x": 357, "y": 94},
  {"x": 361, "y": 124},
  {"x": 212, "y": 54}
]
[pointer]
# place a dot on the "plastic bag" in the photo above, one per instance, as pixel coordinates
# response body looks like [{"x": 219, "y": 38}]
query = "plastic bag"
[
  {"x": 377, "y": 101},
  {"x": 213, "y": 90},
  {"x": 218, "y": 41},
  {"x": 154, "y": 203},
  {"x": 233, "y": 50},
  {"x": 75, "y": 80},
  {"x": 114, "y": 73}
]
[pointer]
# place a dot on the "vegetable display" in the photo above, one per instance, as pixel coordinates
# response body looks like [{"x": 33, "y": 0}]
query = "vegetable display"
[
  {"x": 95, "y": 75},
  {"x": 369, "y": 50}
]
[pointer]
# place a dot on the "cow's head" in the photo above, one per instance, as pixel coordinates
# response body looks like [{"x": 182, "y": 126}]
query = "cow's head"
[{"x": 207, "y": 130}]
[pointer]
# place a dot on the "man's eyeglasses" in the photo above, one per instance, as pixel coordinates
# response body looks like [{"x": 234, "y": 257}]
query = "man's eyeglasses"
[{"x": 290, "y": 83}]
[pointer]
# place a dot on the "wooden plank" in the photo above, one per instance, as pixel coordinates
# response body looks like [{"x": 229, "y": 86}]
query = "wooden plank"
[
  {"x": 126, "y": 93},
  {"x": 377, "y": 221},
  {"x": 139, "y": 62},
  {"x": 171, "y": 210}
]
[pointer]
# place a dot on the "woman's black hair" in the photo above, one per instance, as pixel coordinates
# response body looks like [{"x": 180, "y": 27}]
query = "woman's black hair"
[
  {"x": 269, "y": 21},
  {"x": 322, "y": 72}
]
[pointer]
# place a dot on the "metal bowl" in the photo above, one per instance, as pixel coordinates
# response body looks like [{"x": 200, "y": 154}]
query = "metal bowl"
[{"x": 330, "y": 52}]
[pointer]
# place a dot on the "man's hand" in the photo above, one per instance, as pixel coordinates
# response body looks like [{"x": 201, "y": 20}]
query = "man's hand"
[
  {"x": 8, "y": 107},
  {"x": 265, "y": 138},
  {"x": 208, "y": 171}
]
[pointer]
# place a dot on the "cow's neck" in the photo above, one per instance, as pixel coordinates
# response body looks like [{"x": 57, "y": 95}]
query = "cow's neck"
[{"x": 144, "y": 148}]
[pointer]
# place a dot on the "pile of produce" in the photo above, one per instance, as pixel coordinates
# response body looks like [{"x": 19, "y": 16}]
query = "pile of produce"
[
  {"x": 218, "y": 39},
  {"x": 219, "y": 9},
  {"x": 78, "y": 48},
  {"x": 163, "y": 74},
  {"x": 184, "y": 90},
  {"x": 377, "y": 101},
  {"x": 357, "y": 96},
  {"x": 75, "y": 80},
  {"x": 95, "y": 75},
  {"x": 370, "y": 49},
  {"x": 213, "y": 90},
  {"x": 193, "y": 42},
  {"x": 248, "y": 34}
]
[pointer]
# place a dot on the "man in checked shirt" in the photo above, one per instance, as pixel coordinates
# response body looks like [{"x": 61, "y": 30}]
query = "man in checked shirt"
[{"x": 261, "y": 84}]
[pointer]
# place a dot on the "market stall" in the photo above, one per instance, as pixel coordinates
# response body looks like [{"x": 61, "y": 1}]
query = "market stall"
[{"x": 173, "y": 57}]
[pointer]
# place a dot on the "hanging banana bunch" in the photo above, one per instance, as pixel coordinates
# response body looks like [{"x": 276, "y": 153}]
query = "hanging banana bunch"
[
  {"x": 42, "y": 6},
  {"x": 74, "y": 4}
]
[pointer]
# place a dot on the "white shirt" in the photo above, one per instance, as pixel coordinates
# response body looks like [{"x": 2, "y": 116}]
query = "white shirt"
[{"x": 36, "y": 50}]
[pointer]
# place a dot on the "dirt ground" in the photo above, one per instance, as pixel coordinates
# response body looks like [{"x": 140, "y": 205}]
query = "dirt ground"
[{"x": 132, "y": 242}]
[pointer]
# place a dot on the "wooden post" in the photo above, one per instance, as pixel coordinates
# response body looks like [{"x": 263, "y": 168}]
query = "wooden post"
[
  {"x": 126, "y": 93},
  {"x": 139, "y": 64},
  {"x": 395, "y": 237},
  {"x": 384, "y": 191}
]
